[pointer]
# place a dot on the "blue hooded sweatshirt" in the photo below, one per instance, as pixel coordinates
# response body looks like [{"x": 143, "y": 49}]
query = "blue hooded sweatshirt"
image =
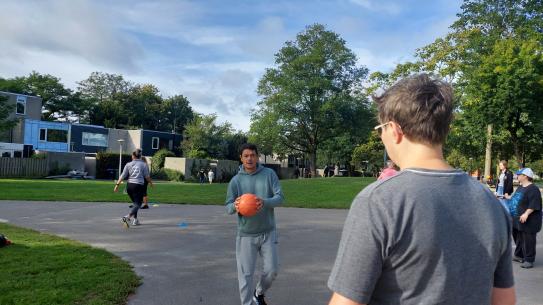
[{"x": 263, "y": 183}]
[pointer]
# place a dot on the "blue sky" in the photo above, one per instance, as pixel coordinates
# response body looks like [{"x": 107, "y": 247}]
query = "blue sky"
[{"x": 213, "y": 52}]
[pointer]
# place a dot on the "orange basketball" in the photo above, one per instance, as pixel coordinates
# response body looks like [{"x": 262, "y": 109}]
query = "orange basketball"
[{"x": 247, "y": 205}]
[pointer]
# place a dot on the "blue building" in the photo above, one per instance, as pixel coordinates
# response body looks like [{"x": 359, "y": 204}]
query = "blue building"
[
  {"x": 47, "y": 136},
  {"x": 88, "y": 138},
  {"x": 152, "y": 141}
]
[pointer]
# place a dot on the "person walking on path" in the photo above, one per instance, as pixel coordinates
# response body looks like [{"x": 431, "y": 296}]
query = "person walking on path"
[
  {"x": 430, "y": 234},
  {"x": 211, "y": 176},
  {"x": 388, "y": 172},
  {"x": 136, "y": 172},
  {"x": 526, "y": 217},
  {"x": 257, "y": 235},
  {"x": 202, "y": 176}
]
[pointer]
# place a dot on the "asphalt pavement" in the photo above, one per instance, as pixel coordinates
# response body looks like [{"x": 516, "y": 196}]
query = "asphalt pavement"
[{"x": 186, "y": 253}]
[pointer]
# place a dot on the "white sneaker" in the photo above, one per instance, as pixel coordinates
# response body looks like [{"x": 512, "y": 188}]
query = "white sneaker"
[{"x": 135, "y": 222}]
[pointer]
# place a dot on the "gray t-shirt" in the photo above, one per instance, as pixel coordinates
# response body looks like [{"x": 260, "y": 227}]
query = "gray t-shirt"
[
  {"x": 136, "y": 172},
  {"x": 424, "y": 237}
]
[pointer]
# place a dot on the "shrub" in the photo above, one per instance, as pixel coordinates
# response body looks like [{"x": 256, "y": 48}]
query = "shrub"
[
  {"x": 168, "y": 174},
  {"x": 157, "y": 162},
  {"x": 174, "y": 175},
  {"x": 57, "y": 169}
]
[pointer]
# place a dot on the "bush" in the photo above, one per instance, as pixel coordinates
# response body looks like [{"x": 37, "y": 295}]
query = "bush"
[
  {"x": 59, "y": 170},
  {"x": 107, "y": 163},
  {"x": 168, "y": 174},
  {"x": 157, "y": 162},
  {"x": 39, "y": 156},
  {"x": 174, "y": 175}
]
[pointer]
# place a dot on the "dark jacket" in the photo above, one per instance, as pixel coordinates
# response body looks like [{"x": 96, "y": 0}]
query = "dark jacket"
[{"x": 507, "y": 184}]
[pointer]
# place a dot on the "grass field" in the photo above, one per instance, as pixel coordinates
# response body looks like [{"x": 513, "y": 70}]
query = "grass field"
[
  {"x": 44, "y": 269},
  {"x": 307, "y": 193}
]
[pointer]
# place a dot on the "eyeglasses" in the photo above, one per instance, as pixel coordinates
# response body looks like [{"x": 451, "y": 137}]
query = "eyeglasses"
[{"x": 379, "y": 128}]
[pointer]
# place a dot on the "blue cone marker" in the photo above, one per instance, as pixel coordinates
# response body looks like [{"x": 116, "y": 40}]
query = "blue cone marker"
[{"x": 183, "y": 225}]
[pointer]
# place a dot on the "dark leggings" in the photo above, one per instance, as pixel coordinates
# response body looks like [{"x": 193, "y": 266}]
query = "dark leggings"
[
  {"x": 135, "y": 191},
  {"x": 526, "y": 244}
]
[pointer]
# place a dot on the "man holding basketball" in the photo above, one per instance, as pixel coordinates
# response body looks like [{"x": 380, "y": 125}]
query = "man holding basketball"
[
  {"x": 256, "y": 234},
  {"x": 430, "y": 234}
]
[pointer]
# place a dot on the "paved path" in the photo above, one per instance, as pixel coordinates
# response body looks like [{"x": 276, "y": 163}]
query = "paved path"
[{"x": 195, "y": 265}]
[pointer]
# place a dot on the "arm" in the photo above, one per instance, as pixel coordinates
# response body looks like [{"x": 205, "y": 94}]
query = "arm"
[
  {"x": 338, "y": 299},
  {"x": 278, "y": 197},
  {"x": 508, "y": 183},
  {"x": 231, "y": 197},
  {"x": 121, "y": 178},
  {"x": 503, "y": 296}
]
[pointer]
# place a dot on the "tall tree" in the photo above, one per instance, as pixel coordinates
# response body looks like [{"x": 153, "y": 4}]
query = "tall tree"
[
  {"x": 315, "y": 75},
  {"x": 57, "y": 102},
  {"x": 102, "y": 95},
  {"x": 205, "y": 138},
  {"x": 493, "y": 57},
  {"x": 6, "y": 110},
  {"x": 176, "y": 113}
]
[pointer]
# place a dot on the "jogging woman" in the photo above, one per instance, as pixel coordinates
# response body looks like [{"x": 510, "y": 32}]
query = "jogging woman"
[{"x": 136, "y": 172}]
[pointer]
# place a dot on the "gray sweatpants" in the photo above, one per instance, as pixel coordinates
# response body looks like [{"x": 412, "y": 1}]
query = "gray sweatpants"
[{"x": 247, "y": 249}]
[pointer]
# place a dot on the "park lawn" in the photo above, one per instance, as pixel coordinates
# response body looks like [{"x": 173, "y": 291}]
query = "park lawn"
[
  {"x": 44, "y": 269},
  {"x": 337, "y": 192}
]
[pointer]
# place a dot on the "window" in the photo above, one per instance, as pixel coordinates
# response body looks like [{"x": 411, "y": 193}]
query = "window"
[
  {"x": 6, "y": 154},
  {"x": 94, "y": 139},
  {"x": 17, "y": 154},
  {"x": 21, "y": 105},
  {"x": 155, "y": 142},
  {"x": 56, "y": 135},
  {"x": 43, "y": 134}
]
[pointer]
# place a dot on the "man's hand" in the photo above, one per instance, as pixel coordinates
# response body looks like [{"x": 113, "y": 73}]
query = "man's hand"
[
  {"x": 523, "y": 218},
  {"x": 116, "y": 188},
  {"x": 507, "y": 196},
  {"x": 259, "y": 203},
  {"x": 236, "y": 204}
]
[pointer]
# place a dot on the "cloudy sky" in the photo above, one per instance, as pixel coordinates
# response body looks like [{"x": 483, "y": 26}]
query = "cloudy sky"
[{"x": 213, "y": 52}]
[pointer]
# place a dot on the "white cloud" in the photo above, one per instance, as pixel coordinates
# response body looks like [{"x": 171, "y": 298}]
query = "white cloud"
[
  {"x": 66, "y": 28},
  {"x": 390, "y": 8}
]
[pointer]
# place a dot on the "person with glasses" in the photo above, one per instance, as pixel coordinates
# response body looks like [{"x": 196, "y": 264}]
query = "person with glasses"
[{"x": 430, "y": 234}]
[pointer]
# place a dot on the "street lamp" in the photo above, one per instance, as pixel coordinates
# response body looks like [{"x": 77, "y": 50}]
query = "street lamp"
[{"x": 120, "y": 155}]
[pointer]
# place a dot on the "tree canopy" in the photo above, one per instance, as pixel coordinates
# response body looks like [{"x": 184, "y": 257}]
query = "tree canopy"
[{"x": 311, "y": 97}]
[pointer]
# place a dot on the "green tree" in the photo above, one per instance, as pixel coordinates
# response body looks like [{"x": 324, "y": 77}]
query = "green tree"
[
  {"x": 103, "y": 98},
  {"x": 370, "y": 155},
  {"x": 6, "y": 111},
  {"x": 315, "y": 75},
  {"x": 176, "y": 113},
  {"x": 493, "y": 58},
  {"x": 205, "y": 138},
  {"x": 57, "y": 101}
]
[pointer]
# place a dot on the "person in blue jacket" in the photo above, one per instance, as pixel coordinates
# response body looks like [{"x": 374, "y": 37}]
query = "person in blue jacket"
[{"x": 257, "y": 234}]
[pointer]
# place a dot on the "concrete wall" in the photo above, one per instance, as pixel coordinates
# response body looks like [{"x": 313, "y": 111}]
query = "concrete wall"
[
  {"x": 74, "y": 160},
  {"x": 190, "y": 167},
  {"x": 136, "y": 138},
  {"x": 121, "y": 134}
]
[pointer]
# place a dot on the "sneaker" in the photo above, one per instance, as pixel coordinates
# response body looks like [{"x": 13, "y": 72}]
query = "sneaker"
[
  {"x": 135, "y": 222},
  {"x": 518, "y": 259},
  {"x": 125, "y": 222},
  {"x": 130, "y": 206},
  {"x": 145, "y": 207},
  {"x": 259, "y": 299},
  {"x": 527, "y": 265}
]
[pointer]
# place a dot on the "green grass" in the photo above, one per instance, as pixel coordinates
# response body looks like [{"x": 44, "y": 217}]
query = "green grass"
[
  {"x": 307, "y": 193},
  {"x": 43, "y": 269}
]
